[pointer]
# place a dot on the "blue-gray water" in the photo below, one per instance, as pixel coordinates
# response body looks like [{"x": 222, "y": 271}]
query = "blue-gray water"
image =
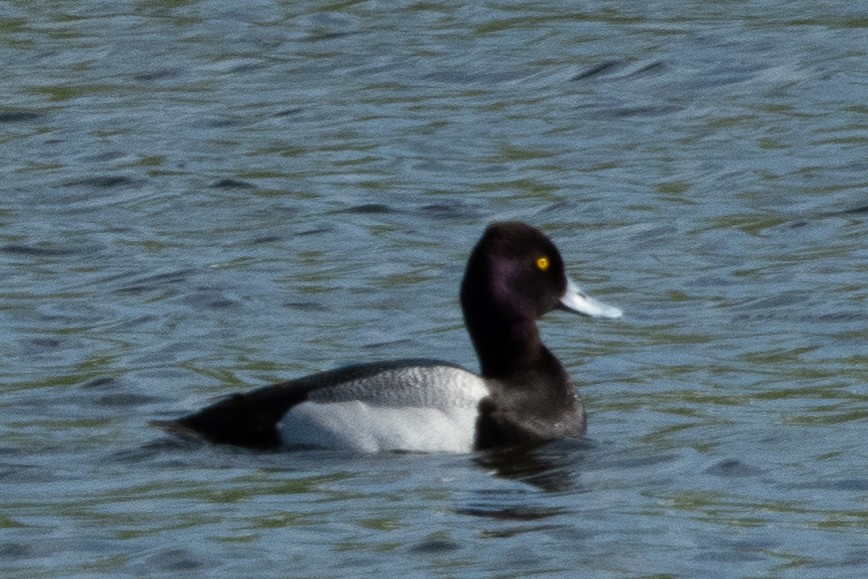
[{"x": 204, "y": 196}]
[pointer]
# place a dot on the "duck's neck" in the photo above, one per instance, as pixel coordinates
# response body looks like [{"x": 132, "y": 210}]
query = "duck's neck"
[{"x": 507, "y": 345}]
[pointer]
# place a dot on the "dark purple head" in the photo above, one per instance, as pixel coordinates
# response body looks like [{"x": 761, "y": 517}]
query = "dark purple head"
[{"x": 514, "y": 276}]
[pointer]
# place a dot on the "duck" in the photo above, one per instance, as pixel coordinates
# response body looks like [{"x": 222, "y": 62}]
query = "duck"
[{"x": 522, "y": 394}]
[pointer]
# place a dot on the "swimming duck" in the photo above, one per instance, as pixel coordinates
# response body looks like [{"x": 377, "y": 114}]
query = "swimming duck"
[{"x": 514, "y": 276}]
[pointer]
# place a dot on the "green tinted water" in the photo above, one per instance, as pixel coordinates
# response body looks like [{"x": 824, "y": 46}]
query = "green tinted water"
[{"x": 202, "y": 197}]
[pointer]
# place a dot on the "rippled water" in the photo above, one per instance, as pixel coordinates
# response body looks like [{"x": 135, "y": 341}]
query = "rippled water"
[{"x": 206, "y": 196}]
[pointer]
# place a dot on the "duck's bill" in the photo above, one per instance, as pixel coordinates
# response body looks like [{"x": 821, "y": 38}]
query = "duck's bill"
[{"x": 574, "y": 299}]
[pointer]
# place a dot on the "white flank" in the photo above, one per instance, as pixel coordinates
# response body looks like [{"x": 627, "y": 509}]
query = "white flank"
[
  {"x": 413, "y": 408},
  {"x": 361, "y": 427}
]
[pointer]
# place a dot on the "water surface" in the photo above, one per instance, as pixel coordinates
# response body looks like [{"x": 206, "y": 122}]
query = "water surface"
[{"x": 201, "y": 197}]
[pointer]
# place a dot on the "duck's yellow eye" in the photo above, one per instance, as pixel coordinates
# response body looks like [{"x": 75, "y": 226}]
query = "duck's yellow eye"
[{"x": 542, "y": 263}]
